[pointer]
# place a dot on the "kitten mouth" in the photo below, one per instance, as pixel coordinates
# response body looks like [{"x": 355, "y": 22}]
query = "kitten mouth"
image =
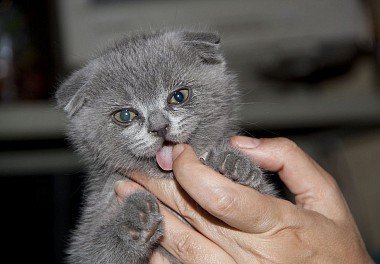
[{"x": 164, "y": 156}]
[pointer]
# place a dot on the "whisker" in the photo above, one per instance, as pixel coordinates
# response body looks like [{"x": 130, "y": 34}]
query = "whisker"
[
  {"x": 247, "y": 91},
  {"x": 257, "y": 102},
  {"x": 137, "y": 144},
  {"x": 186, "y": 118},
  {"x": 255, "y": 124}
]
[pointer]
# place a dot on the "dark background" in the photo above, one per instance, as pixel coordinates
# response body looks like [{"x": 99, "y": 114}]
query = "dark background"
[{"x": 309, "y": 73}]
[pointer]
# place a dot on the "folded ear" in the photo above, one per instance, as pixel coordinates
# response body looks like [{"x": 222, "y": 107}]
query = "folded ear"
[
  {"x": 71, "y": 95},
  {"x": 206, "y": 44}
]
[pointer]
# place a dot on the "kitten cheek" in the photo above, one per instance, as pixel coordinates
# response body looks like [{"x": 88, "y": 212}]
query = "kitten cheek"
[
  {"x": 184, "y": 131},
  {"x": 142, "y": 144}
]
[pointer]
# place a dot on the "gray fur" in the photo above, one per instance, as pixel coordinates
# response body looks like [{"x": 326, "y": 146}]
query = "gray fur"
[{"x": 140, "y": 72}]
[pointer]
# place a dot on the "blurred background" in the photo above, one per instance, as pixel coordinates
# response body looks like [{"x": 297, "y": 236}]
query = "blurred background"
[{"x": 309, "y": 70}]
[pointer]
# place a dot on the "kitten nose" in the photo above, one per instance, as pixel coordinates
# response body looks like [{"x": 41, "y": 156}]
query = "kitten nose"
[
  {"x": 158, "y": 124},
  {"x": 160, "y": 131}
]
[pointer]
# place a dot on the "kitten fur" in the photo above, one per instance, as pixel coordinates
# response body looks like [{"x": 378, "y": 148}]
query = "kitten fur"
[{"x": 141, "y": 72}]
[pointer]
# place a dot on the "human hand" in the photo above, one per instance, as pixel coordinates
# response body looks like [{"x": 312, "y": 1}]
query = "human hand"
[{"x": 231, "y": 223}]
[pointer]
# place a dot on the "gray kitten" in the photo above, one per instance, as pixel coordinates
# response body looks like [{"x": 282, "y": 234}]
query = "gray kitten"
[{"x": 127, "y": 107}]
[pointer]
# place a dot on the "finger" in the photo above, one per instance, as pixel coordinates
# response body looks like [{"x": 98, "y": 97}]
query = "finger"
[
  {"x": 296, "y": 168},
  {"x": 181, "y": 240},
  {"x": 314, "y": 188},
  {"x": 217, "y": 231},
  {"x": 170, "y": 193},
  {"x": 125, "y": 187},
  {"x": 187, "y": 245},
  {"x": 253, "y": 214},
  {"x": 225, "y": 199},
  {"x": 158, "y": 258}
]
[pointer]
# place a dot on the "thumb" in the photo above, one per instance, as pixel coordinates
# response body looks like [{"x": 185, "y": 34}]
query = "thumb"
[
  {"x": 238, "y": 206},
  {"x": 314, "y": 188}
]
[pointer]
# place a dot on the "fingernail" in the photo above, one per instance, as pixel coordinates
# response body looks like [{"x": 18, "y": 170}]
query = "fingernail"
[
  {"x": 119, "y": 184},
  {"x": 124, "y": 188},
  {"x": 177, "y": 150},
  {"x": 245, "y": 142}
]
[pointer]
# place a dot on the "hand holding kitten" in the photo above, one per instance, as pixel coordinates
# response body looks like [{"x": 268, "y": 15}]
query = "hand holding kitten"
[
  {"x": 236, "y": 224},
  {"x": 129, "y": 105}
]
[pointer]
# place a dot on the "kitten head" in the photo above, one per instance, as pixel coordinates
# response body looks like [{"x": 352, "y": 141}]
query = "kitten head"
[{"x": 147, "y": 91}]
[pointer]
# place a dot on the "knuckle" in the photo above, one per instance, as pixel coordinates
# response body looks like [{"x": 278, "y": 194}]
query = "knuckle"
[
  {"x": 288, "y": 145},
  {"x": 185, "y": 209},
  {"x": 223, "y": 204},
  {"x": 185, "y": 246},
  {"x": 333, "y": 184},
  {"x": 288, "y": 214}
]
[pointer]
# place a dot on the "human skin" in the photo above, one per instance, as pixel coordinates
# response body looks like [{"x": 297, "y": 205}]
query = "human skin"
[{"x": 231, "y": 223}]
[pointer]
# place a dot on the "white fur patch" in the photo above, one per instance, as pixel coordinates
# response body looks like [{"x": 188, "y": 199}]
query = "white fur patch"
[{"x": 174, "y": 124}]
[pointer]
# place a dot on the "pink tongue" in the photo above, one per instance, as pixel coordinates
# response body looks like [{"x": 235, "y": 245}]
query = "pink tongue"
[{"x": 164, "y": 158}]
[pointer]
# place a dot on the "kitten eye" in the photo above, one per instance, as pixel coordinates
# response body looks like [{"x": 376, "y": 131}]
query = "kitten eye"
[
  {"x": 179, "y": 96},
  {"x": 124, "y": 116}
]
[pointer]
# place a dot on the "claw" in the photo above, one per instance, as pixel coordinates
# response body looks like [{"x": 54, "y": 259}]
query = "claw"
[{"x": 203, "y": 157}]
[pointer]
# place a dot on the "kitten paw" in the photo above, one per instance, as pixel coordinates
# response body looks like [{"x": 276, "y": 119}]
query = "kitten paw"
[
  {"x": 140, "y": 221},
  {"x": 238, "y": 168}
]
